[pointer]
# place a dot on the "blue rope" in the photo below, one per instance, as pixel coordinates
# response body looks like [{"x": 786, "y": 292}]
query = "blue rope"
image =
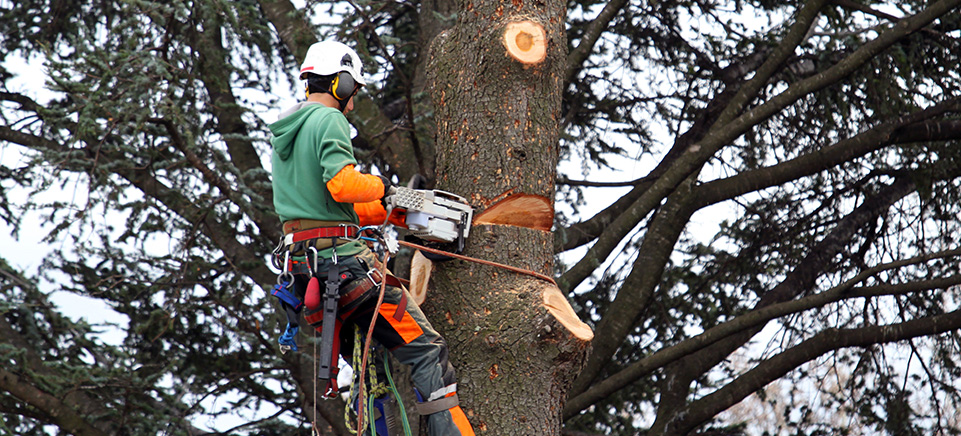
[{"x": 287, "y": 339}]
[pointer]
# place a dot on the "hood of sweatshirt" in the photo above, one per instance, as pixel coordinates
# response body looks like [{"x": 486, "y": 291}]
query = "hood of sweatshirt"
[{"x": 286, "y": 128}]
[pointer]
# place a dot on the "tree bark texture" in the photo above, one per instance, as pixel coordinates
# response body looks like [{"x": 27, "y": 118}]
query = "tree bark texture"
[{"x": 497, "y": 133}]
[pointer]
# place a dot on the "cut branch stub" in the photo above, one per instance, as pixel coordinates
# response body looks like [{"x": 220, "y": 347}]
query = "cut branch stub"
[
  {"x": 521, "y": 210},
  {"x": 526, "y": 42},
  {"x": 557, "y": 305}
]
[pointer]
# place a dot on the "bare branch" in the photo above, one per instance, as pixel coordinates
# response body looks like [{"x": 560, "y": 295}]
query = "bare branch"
[
  {"x": 757, "y": 317},
  {"x": 569, "y": 182},
  {"x": 910, "y": 128},
  {"x": 26, "y": 103},
  {"x": 579, "y": 54},
  {"x": 826, "y": 341},
  {"x": 849, "y": 4},
  {"x": 723, "y": 133}
]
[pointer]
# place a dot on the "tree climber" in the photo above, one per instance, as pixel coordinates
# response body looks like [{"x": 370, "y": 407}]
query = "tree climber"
[{"x": 322, "y": 200}]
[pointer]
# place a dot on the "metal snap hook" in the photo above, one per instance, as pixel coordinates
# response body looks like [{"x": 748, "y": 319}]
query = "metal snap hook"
[{"x": 316, "y": 256}]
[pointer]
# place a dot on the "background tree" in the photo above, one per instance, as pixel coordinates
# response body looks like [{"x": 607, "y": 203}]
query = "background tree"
[{"x": 796, "y": 220}]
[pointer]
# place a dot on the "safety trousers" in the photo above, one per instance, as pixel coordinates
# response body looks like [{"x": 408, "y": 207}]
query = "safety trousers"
[{"x": 409, "y": 337}]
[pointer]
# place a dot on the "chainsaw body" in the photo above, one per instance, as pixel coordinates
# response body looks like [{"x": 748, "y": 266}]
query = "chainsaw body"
[{"x": 434, "y": 215}]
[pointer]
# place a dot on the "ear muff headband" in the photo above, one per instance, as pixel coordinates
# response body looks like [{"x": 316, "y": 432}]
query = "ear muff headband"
[{"x": 342, "y": 88}]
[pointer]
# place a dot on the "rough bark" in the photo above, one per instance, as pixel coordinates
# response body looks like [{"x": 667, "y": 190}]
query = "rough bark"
[
  {"x": 503, "y": 341},
  {"x": 497, "y": 133}
]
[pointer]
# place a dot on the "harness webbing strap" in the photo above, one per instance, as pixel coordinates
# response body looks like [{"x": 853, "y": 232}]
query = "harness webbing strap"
[
  {"x": 439, "y": 405},
  {"x": 342, "y": 232},
  {"x": 280, "y": 291}
]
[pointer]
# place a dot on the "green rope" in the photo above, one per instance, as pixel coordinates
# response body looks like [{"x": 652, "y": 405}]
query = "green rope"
[
  {"x": 400, "y": 402},
  {"x": 377, "y": 389}
]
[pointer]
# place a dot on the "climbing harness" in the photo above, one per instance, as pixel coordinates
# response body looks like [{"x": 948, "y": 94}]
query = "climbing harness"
[
  {"x": 323, "y": 307},
  {"x": 322, "y": 310}
]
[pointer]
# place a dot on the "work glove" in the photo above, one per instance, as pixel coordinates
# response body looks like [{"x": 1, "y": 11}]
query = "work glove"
[{"x": 389, "y": 188}]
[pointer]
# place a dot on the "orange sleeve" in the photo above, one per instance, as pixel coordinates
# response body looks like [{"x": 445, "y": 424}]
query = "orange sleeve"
[
  {"x": 372, "y": 213},
  {"x": 351, "y": 186}
]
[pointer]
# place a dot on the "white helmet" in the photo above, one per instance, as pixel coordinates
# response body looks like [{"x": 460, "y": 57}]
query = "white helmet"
[{"x": 331, "y": 57}]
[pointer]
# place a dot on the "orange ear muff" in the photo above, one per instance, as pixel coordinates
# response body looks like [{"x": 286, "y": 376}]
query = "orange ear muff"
[{"x": 343, "y": 86}]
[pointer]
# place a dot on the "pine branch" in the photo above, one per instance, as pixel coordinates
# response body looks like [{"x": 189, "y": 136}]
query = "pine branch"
[
  {"x": 66, "y": 410},
  {"x": 59, "y": 413},
  {"x": 215, "y": 73},
  {"x": 638, "y": 287},
  {"x": 265, "y": 222},
  {"x": 801, "y": 279},
  {"x": 806, "y": 17},
  {"x": 221, "y": 234},
  {"x": 291, "y": 26},
  {"x": 600, "y": 24}
]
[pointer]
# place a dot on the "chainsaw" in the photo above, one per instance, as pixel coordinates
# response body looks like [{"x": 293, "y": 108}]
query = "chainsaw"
[{"x": 433, "y": 215}]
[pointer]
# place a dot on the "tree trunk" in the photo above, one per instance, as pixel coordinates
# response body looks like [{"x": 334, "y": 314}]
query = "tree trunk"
[{"x": 497, "y": 135}]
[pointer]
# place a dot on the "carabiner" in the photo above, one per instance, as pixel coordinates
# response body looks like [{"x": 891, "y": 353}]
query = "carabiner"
[
  {"x": 316, "y": 256},
  {"x": 275, "y": 255},
  {"x": 286, "y": 276}
]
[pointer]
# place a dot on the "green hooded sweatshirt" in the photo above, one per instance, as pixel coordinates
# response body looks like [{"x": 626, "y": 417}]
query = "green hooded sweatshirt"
[{"x": 311, "y": 144}]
